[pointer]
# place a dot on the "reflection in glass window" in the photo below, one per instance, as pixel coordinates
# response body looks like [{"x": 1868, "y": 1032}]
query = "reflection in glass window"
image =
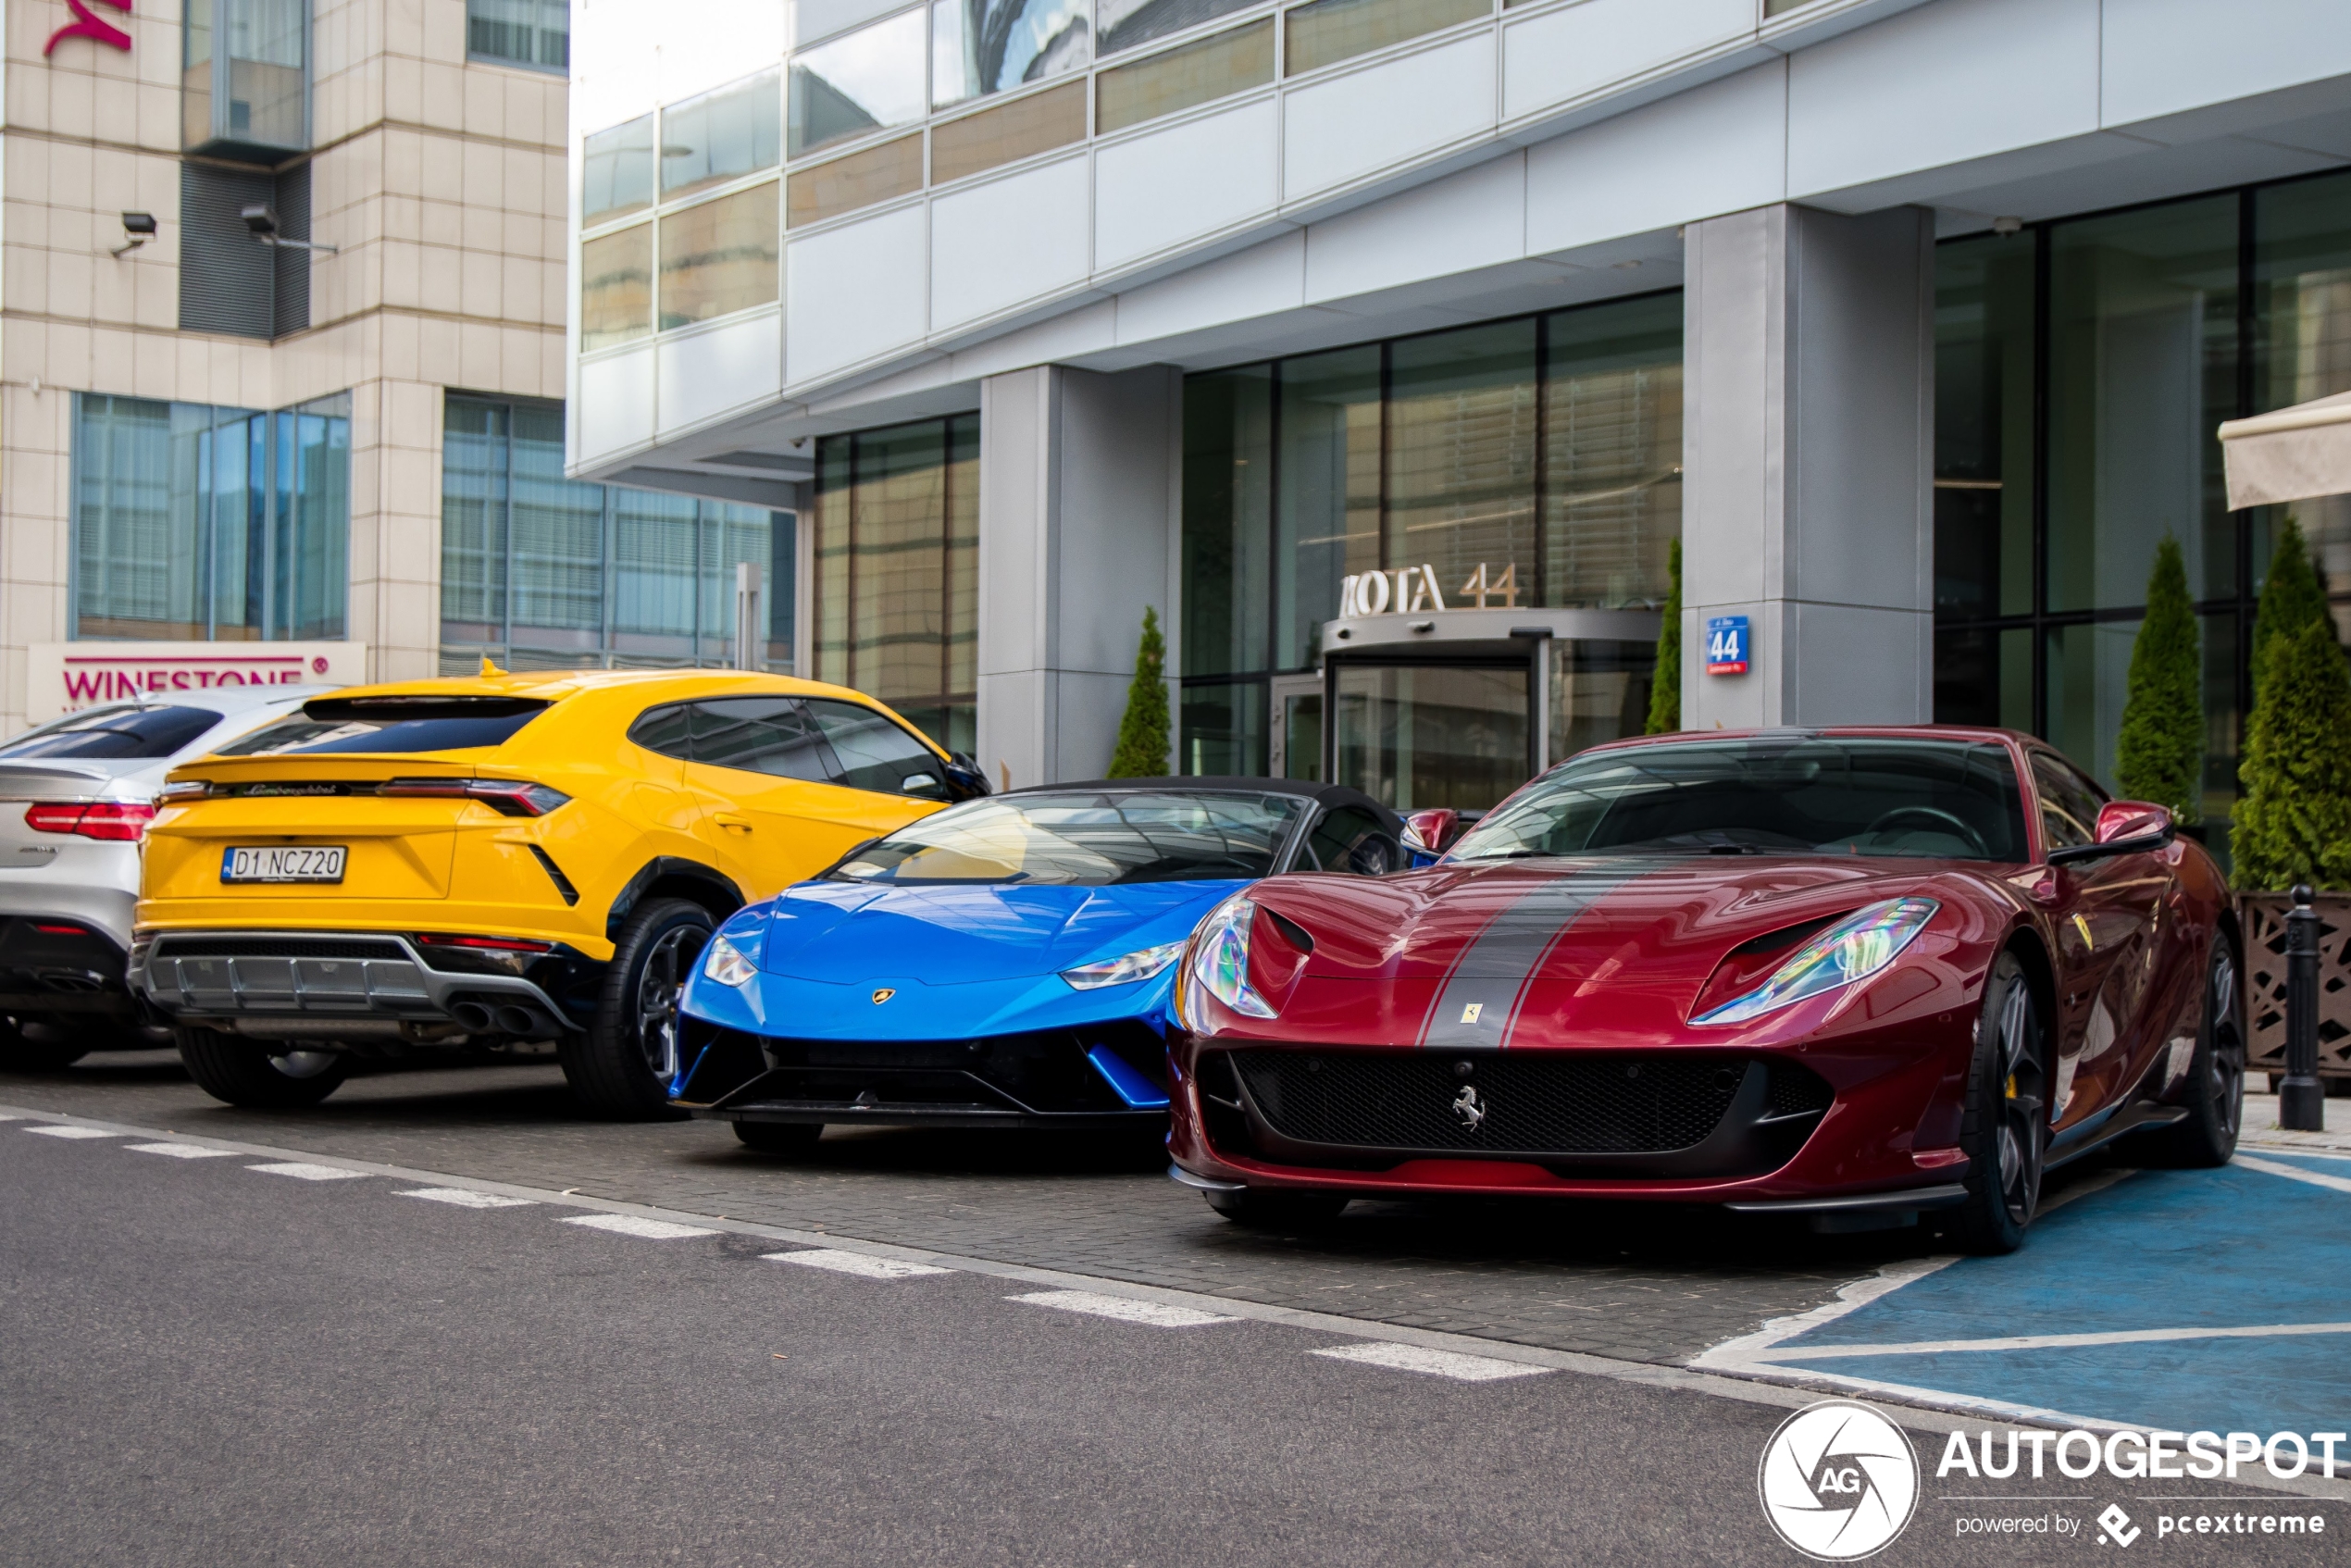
[
  {"x": 721, "y": 256},
  {"x": 1123, "y": 24},
  {"x": 865, "y": 82},
  {"x": 541, "y": 572},
  {"x": 1327, "y": 507},
  {"x": 1612, "y": 452},
  {"x": 1461, "y": 459},
  {"x": 1329, "y": 30},
  {"x": 617, "y": 171},
  {"x": 720, "y": 135},
  {"x": 854, "y": 180},
  {"x": 1085, "y": 839},
  {"x": 615, "y": 287},
  {"x": 1228, "y": 477},
  {"x": 191, "y": 521},
  {"x": 1036, "y": 122},
  {"x": 1984, "y": 351},
  {"x": 982, "y": 46},
  {"x": 1193, "y": 73},
  {"x": 2302, "y": 295},
  {"x": 520, "y": 32}
]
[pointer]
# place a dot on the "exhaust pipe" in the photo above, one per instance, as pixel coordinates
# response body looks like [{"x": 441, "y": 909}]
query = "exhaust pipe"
[
  {"x": 527, "y": 1022},
  {"x": 473, "y": 1015}
]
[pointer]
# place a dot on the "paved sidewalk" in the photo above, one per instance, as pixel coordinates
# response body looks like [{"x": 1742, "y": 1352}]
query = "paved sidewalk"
[
  {"x": 1636, "y": 1282},
  {"x": 2261, "y": 1127}
]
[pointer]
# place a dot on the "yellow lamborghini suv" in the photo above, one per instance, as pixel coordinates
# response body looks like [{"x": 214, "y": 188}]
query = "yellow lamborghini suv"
[{"x": 485, "y": 861}]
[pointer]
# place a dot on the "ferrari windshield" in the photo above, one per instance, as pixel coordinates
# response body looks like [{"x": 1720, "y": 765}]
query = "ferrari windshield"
[
  {"x": 1085, "y": 839},
  {"x": 1943, "y": 800}
]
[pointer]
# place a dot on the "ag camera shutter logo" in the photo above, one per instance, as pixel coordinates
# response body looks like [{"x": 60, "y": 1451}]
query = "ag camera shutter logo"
[{"x": 1839, "y": 1480}]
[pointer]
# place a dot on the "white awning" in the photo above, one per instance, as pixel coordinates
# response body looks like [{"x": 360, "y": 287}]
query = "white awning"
[{"x": 2289, "y": 455}]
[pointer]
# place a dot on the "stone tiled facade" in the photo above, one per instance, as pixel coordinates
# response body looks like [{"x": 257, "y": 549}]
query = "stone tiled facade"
[{"x": 441, "y": 180}]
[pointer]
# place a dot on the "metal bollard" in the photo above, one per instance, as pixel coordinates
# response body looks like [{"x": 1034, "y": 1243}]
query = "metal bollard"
[{"x": 2301, "y": 1100}]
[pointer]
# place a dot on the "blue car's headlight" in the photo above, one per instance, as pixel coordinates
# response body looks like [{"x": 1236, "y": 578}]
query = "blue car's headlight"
[
  {"x": 1853, "y": 949},
  {"x": 725, "y": 963},
  {"x": 1220, "y": 959},
  {"x": 1140, "y": 964}
]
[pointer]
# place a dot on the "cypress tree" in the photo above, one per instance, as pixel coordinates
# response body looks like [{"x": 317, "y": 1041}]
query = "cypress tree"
[
  {"x": 1665, "y": 686},
  {"x": 1142, "y": 745},
  {"x": 2291, "y": 597},
  {"x": 2294, "y": 824},
  {"x": 2160, "y": 755}
]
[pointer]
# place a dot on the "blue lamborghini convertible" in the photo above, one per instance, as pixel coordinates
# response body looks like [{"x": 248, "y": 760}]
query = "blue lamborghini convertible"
[{"x": 1004, "y": 962}]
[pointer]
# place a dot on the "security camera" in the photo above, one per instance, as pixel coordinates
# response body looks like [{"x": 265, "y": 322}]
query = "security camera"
[{"x": 138, "y": 228}]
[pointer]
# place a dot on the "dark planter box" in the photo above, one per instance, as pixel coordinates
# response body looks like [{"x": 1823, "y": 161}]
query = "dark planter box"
[{"x": 2263, "y": 920}]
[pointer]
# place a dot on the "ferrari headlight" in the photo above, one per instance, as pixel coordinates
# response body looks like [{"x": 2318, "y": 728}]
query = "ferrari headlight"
[
  {"x": 1853, "y": 949},
  {"x": 1140, "y": 964},
  {"x": 726, "y": 964},
  {"x": 1220, "y": 958}
]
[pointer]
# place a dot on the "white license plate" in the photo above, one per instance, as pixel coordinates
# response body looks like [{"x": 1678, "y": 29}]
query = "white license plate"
[{"x": 297, "y": 863}]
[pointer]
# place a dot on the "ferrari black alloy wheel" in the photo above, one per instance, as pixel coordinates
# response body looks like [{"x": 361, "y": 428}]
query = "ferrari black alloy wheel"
[
  {"x": 266, "y": 1077},
  {"x": 2215, "y": 1099},
  {"x": 779, "y": 1137},
  {"x": 1267, "y": 1208},
  {"x": 2005, "y": 1134},
  {"x": 619, "y": 1068}
]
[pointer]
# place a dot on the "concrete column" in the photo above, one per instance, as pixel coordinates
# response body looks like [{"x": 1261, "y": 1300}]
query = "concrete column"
[
  {"x": 1808, "y": 453},
  {"x": 1077, "y": 514}
]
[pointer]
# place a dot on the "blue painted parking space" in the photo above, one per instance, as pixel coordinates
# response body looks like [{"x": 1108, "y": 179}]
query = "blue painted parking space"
[{"x": 2185, "y": 1300}]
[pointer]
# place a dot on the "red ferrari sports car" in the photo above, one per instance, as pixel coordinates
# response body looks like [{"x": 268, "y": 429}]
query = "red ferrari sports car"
[{"x": 1853, "y": 975}]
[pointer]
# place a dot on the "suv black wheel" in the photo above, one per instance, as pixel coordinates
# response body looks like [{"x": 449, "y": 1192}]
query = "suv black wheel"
[
  {"x": 779, "y": 1137},
  {"x": 2005, "y": 1134},
  {"x": 2216, "y": 1073},
  {"x": 618, "y": 1069},
  {"x": 242, "y": 1072},
  {"x": 1273, "y": 1208}
]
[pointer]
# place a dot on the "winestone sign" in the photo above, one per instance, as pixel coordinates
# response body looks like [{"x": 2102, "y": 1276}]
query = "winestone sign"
[{"x": 62, "y": 677}]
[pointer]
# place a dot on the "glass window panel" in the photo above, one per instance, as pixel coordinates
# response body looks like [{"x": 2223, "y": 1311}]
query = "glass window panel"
[
  {"x": 520, "y": 32},
  {"x": 654, "y": 562},
  {"x": 1222, "y": 731},
  {"x": 136, "y": 541},
  {"x": 873, "y": 174},
  {"x": 1461, "y": 458},
  {"x": 1984, "y": 426},
  {"x": 2088, "y": 671},
  {"x": 473, "y": 520},
  {"x": 897, "y": 573},
  {"x": 310, "y": 573},
  {"x": 1612, "y": 452},
  {"x": 868, "y": 81},
  {"x": 267, "y": 97},
  {"x": 616, "y": 287},
  {"x": 783, "y": 588},
  {"x": 875, "y": 754},
  {"x": 982, "y": 46},
  {"x": 2222, "y": 735},
  {"x": 1330, "y": 31},
  {"x": 557, "y": 528},
  {"x": 2143, "y": 367},
  {"x": 721, "y": 135},
  {"x": 1327, "y": 470},
  {"x": 1599, "y": 691},
  {"x": 196, "y": 75},
  {"x": 1123, "y": 24},
  {"x": 771, "y": 735},
  {"x": 830, "y": 517},
  {"x": 1228, "y": 479},
  {"x": 2302, "y": 336},
  {"x": 1193, "y": 73},
  {"x": 721, "y": 256},
  {"x": 962, "y": 586},
  {"x": 1431, "y": 734},
  {"x": 1985, "y": 677},
  {"x": 1021, "y": 129},
  {"x": 731, "y": 534},
  {"x": 618, "y": 171}
]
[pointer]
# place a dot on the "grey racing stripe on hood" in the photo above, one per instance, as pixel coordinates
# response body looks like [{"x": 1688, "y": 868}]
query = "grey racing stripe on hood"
[{"x": 1473, "y": 1010}]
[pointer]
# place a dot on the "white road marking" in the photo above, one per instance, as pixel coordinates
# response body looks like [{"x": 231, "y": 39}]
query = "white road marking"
[
  {"x": 1124, "y": 1308},
  {"x": 62, "y": 1129},
  {"x": 2056, "y": 1341},
  {"x": 301, "y": 1170},
  {"x": 859, "y": 1263},
  {"x": 629, "y": 1225},
  {"x": 181, "y": 1151},
  {"x": 467, "y": 1198},
  {"x": 1437, "y": 1364},
  {"x": 2296, "y": 1172}
]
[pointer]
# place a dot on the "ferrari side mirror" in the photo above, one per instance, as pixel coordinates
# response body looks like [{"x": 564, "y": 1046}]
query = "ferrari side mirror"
[
  {"x": 1432, "y": 830},
  {"x": 2123, "y": 828}
]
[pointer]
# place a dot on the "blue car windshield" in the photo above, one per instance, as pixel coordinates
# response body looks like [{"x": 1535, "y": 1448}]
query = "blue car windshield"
[
  {"x": 1084, "y": 838},
  {"x": 1943, "y": 800}
]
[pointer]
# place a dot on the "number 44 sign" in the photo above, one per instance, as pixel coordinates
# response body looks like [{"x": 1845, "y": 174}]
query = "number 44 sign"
[{"x": 1726, "y": 646}]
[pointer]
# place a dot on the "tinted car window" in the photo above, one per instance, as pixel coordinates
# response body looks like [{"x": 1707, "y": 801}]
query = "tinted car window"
[
  {"x": 2068, "y": 802},
  {"x": 1350, "y": 839},
  {"x": 382, "y": 724},
  {"x": 876, "y": 755},
  {"x": 118, "y": 732},
  {"x": 1084, "y": 838},
  {"x": 770, "y": 735},
  {"x": 668, "y": 730},
  {"x": 1931, "y": 799}
]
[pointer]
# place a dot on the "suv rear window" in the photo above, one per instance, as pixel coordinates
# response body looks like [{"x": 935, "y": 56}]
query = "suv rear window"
[
  {"x": 117, "y": 732},
  {"x": 379, "y": 724},
  {"x": 808, "y": 738}
]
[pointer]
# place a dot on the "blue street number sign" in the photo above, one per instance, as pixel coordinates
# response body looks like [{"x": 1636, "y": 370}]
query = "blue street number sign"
[{"x": 1726, "y": 646}]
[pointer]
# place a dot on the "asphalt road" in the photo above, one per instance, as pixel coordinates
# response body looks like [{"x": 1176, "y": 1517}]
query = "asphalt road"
[{"x": 202, "y": 1361}]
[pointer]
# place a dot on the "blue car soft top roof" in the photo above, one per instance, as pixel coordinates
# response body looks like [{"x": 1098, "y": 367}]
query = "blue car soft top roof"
[{"x": 1327, "y": 795}]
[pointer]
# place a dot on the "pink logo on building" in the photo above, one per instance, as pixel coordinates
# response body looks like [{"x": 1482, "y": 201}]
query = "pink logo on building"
[{"x": 85, "y": 25}]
